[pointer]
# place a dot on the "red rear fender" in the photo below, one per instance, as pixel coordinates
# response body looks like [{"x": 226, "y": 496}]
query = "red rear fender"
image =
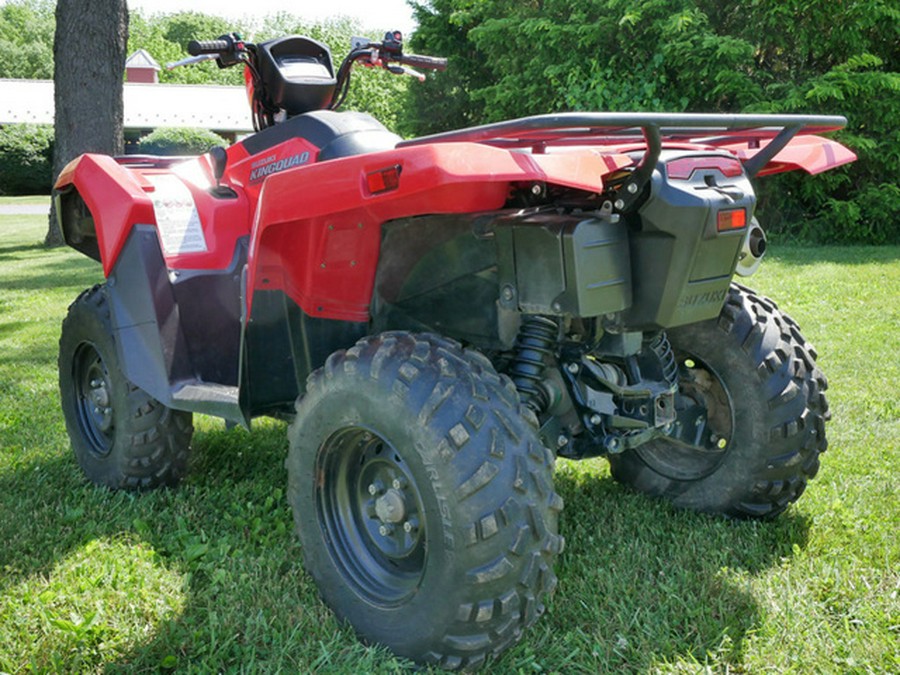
[
  {"x": 318, "y": 227},
  {"x": 813, "y": 154}
]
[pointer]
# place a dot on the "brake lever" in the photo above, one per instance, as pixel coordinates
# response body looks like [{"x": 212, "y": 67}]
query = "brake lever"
[
  {"x": 406, "y": 70},
  {"x": 191, "y": 60}
]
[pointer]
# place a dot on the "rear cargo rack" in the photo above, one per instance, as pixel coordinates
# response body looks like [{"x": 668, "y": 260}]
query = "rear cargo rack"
[{"x": 650, "y": 130}]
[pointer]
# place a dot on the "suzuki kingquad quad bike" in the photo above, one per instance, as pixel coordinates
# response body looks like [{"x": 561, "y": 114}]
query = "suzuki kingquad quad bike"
[{"x": 440, "y": 318}]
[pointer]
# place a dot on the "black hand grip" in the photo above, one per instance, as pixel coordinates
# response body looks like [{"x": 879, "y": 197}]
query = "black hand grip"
[
  {"x": 427, "y": 62},
  {"x": 198, "y": 47}
]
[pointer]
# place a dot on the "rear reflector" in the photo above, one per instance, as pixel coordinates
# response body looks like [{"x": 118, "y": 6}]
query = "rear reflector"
[
  {"x": 733, "y": 219},
  {"x": 684, "y": 168},
  {"x": 383, "y": 180}
]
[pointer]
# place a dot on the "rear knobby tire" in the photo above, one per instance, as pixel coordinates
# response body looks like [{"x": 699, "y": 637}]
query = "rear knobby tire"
[
  {"x": 766, "y": 403},
  {"x": 423, "y": 499},
  {"x": 123, "y": 438}
]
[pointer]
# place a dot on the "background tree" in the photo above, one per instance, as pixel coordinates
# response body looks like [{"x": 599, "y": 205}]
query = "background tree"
[
  {"x": 510, "y": 58},
  {"x": 166, "y": 36},
  {"x": 26, "y": 39},
  {"x": 26, "y": 159},
  {"x": 446, "y": 100},
  {"x": 89, "y": 67}
]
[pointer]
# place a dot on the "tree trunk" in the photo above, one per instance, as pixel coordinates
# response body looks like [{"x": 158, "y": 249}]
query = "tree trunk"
[{"x": 89, "y": 67}]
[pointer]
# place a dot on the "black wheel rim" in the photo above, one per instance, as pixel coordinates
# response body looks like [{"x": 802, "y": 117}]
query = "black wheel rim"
[
  {"x": 93, "y": 399},
  {"x": 704, "y": 429},
  {"x": 370, "y": 511}
]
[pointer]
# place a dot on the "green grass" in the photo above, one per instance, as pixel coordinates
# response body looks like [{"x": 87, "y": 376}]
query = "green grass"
[
  {"x": 209, "y": 578},
  {"x": 35, "y": 200}
]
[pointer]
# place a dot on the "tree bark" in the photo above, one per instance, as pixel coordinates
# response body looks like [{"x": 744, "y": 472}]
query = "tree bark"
[{"x": 89, "y": 67}]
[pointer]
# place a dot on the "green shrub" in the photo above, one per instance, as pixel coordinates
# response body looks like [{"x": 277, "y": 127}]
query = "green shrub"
[
  {"x": 26, "y": 159},
  {"x": 725, "y": 56},
  {"x": 170, "y": 141}
]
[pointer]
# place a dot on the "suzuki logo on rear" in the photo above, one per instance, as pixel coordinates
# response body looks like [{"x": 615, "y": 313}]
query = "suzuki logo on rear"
[
  {"x": 270, "y": 167},
  {"x": 709, "y": 298}
]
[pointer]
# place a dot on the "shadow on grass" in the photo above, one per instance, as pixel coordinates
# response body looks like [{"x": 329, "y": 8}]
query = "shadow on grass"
[
  {"x": 643, "y": 584},
  {"x": 45, "y": 493},
  {"x": 227, "y": 531},
  {"x": 52, "y": 275},
  {"x": 12, "y": 252},
  {"x": 9, "y": 327},
  {"x": 38, "y": 353},
  {"x": 640, "y": 583}
]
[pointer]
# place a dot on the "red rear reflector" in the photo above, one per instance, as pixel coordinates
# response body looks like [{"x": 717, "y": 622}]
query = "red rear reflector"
[
  {"x": 384, "y": 180},
  {"x": 684, "y": 168},
  {"x": 733, "y": 219}
]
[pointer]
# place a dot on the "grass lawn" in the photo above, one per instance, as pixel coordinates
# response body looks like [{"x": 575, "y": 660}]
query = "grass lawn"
[
  {"x": 208, "y": 577},
  {"x": 37, "y": 200}
]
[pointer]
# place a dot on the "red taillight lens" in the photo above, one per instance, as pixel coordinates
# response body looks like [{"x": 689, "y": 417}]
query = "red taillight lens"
[
  {"x": 383, "y": 180},
  {"x": 684, "y": 168},
  {"x": 732, "y": 219}
]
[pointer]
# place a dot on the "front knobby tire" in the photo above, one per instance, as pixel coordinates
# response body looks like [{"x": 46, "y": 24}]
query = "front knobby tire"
[
  {"x": 123, "y": 438},
  {"x": 755, "y": 378},
  {"x": 423, "y": 499}
]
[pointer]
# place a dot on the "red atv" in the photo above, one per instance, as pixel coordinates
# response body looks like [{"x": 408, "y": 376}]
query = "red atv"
[{"x": 440, "y": 318}]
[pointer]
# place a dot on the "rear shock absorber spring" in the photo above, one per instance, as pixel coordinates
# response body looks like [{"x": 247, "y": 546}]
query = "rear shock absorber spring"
[
  {"x": 663, "y": 350},
  {"x": 536, "y": 341}
]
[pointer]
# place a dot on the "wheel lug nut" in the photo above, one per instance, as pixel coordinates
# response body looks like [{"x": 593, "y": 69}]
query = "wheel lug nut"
[
  {"x": 376, "y": 488},
  {"x": 410, "y": 525},
  {"x": 399, "y": 483},
  {"x": 95, "y": 384},
  {"x": 386, "y": 530}
]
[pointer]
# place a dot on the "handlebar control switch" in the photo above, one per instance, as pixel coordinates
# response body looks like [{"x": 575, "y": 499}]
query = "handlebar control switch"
[{"x": 393, "y": 43}]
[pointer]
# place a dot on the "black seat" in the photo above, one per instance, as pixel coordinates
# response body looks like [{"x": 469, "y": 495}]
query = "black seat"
[{"x": 336, "y": 134}]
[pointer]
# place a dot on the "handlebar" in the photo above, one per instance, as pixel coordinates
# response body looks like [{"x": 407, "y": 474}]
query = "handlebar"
[
  {"x": 425, "y": 62},
  {"x": 198, "y": 47},
  {"x": 230, "y": 50}
]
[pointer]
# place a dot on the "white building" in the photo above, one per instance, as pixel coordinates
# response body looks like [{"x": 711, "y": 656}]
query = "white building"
[{"x": 148, "y": 105}]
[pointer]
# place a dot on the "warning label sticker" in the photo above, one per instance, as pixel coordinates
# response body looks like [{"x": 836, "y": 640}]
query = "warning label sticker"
[{"x": 176, "y": 216}]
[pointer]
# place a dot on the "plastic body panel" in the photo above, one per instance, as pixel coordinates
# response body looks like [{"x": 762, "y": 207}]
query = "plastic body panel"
[
  {"x": 304, "y": 90},
  {"x": 181, "y": 338},
  {"x": 225, "y": 297},
  {"x": 812, "y": 154},
  {"x": 121, "y": 195},
  {"x": 682, "y": 265},
  {"x": 558, "y": 265},
  {"x": 322, "y": 247},
  {"x": 177, "y": 330},
  {"x": 471, "y": 276}
]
